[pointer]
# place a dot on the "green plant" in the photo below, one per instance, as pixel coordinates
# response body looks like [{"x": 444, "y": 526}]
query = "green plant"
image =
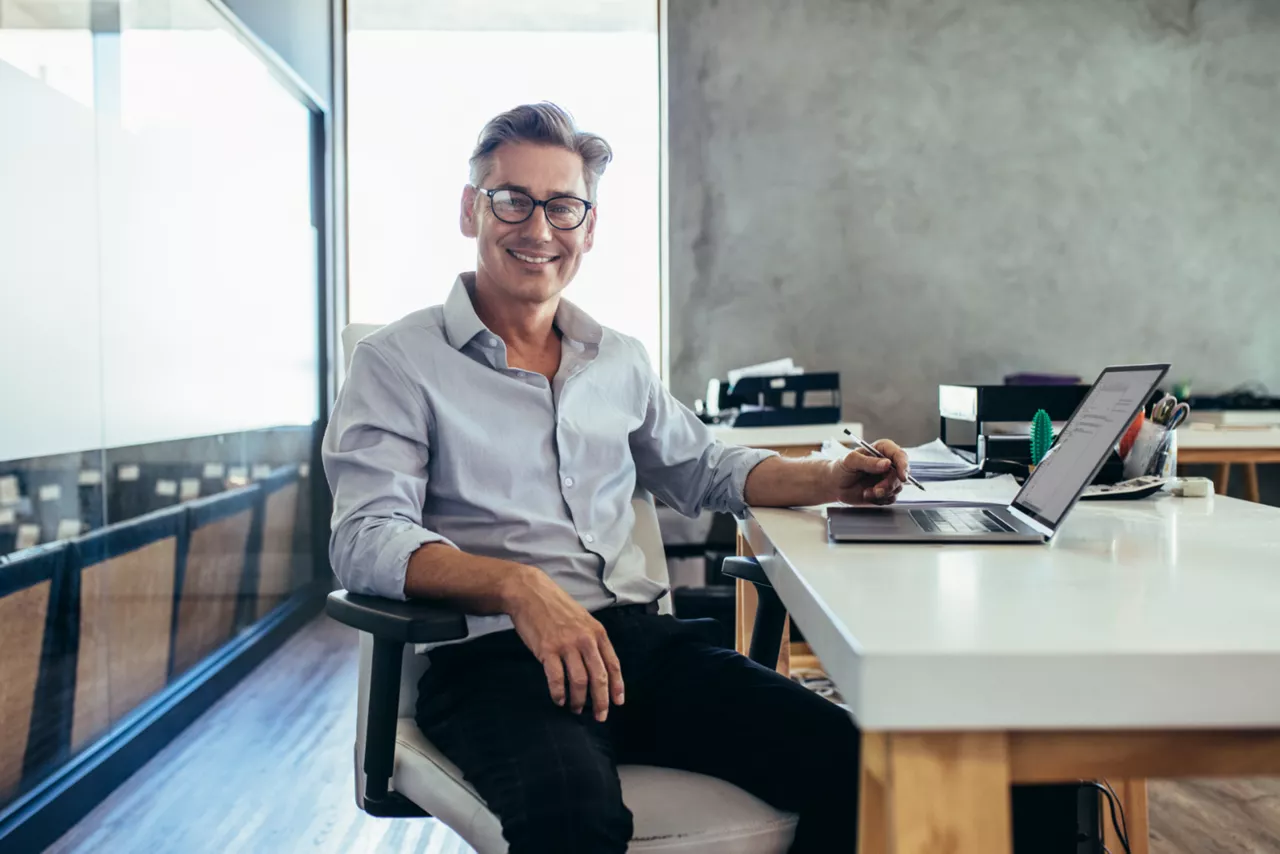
[{"x": 1041, "y": 436}]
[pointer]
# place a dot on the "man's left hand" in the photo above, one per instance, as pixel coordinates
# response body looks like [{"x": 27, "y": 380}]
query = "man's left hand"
[{"x": 861, "y": 478}]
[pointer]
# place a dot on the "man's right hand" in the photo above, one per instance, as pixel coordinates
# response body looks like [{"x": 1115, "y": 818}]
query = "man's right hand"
[{"x": 571, "y": 644}]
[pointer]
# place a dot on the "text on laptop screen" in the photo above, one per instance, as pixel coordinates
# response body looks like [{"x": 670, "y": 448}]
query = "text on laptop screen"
[{"x": 1090, "y": 434}]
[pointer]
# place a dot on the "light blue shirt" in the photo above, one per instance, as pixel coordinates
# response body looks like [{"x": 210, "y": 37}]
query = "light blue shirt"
[{"x": 435, "y": 438}]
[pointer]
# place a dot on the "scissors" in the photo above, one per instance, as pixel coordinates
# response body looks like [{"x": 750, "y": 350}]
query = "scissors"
[
  {"x": 1169, "y": 412},
  {"x": 1177, "y": 416},
  {"x": 1163, "y": 409}
]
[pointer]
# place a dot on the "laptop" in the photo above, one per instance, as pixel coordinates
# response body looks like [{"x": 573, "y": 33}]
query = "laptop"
[{"x": 1046, "y": 497}]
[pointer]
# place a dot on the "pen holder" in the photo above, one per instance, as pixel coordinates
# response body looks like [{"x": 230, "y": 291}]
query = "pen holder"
[{"x": 1154, "y": 452}]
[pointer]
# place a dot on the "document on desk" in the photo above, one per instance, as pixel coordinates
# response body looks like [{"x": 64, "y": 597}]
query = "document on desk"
[
  {"x": 935, "y": 461},
  {"x": 994, "y": 491}
]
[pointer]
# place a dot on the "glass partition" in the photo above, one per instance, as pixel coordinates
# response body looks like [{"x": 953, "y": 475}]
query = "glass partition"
[{"x": 160, "y": 286}]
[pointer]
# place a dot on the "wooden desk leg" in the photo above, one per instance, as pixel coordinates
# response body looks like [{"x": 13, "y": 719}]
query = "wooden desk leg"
[
  {"x": 1132, "y": 794},
  {"x": 948, "y": 793},
  {"x": 1223, "y": 478},
  {"x": 873, "y": 834},
  {"x": 1251, "y": 491}
]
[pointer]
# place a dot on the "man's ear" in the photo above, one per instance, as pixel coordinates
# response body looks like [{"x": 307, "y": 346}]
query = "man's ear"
[
  {"x": 590, "y": 226},
  {"x": 467, "y": 214}
]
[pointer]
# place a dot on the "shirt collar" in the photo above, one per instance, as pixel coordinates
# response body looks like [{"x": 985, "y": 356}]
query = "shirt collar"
[{"x": 461, "y": 323}]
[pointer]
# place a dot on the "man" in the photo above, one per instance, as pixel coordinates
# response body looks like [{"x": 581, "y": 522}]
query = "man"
[{"x": 485, "y": 452}]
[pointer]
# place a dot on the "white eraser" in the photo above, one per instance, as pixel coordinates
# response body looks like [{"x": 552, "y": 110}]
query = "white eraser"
[
  {"x": 1193, "y": 487},
  {"x": 9, "y": 490},
  {"x": 69, "y": 528},
  {"x": 189, "y": 489},
  {"x": 90, "y": 477},
  {"x": 261, "y": 471},
  {"x": 167, "y": 488},
  {"x": 214, "y": 471},
  {"x": 8, "y": 516},
  {"x": 128, "y": 474},
  {"x": 50, "y": 492},
  {"x": 238, "y": 473}
]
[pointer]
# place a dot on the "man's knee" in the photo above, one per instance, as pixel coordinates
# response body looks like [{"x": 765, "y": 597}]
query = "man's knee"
[
  {"x": 830, "y": 756},
  {"x": 568, "y": 815}
]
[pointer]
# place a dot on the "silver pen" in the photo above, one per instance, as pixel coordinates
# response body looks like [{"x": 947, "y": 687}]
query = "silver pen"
[{"x": 876, "y": 453}]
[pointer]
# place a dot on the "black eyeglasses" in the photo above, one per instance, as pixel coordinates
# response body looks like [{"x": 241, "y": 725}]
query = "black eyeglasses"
[{"x": 512, "y": 206}]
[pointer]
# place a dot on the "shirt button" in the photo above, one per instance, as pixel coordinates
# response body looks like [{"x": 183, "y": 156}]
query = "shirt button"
[
  {"x": 568, "y": 481},
  {"x": 493, "y": 342},
  {"x": 588, "y": 538}
]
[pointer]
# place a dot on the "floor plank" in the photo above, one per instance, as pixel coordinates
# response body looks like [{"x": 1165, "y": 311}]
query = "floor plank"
[
  {"x": 1215, "y": 816},
  {"x": 268, "y": 769}
]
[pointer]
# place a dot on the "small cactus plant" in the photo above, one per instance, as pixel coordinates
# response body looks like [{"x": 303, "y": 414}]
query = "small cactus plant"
[{"x": 1041, "y": 436}]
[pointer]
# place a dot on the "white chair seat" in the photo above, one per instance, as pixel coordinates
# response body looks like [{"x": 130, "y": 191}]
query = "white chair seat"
[{"x": 674, "y": 810}]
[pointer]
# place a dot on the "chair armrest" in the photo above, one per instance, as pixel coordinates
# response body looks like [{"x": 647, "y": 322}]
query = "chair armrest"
[
  {"x": 771, "y": 614},
  {"x": 392, "y": 624},
  {"x": 746, "y": 569},
  {"x": 415, "y": 621}
]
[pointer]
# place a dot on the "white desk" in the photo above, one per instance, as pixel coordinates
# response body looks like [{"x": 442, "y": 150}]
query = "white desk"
[
  {"x": 1225, "y": 448},
  {"x": 1143, "y": 642}
]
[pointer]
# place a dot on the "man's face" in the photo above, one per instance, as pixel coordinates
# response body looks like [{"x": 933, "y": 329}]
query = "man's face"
[{"x": 528, "y": 261}]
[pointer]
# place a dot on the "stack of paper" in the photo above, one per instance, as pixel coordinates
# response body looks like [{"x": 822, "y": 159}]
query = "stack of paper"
[
  {"x": 935, "y": 461},
  {"x": 776, "y": 368}
]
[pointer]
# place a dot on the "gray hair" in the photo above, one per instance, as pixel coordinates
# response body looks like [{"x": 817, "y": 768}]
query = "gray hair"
[{"x": 544, "y": 124}]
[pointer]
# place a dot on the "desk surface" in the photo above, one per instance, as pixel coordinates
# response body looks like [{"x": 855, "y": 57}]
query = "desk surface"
[
  {"x": 1223, "y": 439},
  {"x": 791, "y": 436},
  {"x": 1156, "y": 613}
]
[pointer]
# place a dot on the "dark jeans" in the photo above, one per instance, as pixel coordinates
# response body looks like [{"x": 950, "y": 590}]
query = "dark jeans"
[{"x": 551, "y": 776}]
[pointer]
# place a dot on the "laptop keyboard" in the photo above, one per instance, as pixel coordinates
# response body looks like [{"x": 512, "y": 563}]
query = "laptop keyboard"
[{"x": 959, "y": 520}]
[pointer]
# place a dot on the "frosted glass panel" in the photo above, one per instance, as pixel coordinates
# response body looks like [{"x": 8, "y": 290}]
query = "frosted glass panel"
[{"x": 50, "y": 389}]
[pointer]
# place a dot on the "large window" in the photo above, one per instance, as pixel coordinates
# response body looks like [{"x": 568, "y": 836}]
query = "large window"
[{"x": 423, "y": 79}]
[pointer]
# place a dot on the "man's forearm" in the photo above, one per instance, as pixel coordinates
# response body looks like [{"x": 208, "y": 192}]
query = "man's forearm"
[
  {"x": 475, "y": 584},
  {"x": 785, "y": 482}
]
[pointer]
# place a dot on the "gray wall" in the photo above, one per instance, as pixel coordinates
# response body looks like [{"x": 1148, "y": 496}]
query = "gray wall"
[
  {"x": 925, "y": 191},
  {"x": 299, "y": 31}
]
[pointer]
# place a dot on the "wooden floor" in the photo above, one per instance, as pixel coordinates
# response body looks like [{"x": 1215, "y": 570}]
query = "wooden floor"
[{"x": 268, "y": 769}]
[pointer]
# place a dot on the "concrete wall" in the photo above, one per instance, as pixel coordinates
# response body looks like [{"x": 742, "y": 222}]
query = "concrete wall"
[{"x": 925, "y": 191}]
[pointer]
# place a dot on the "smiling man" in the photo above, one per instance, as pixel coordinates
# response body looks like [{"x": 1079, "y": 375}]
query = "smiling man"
[{"x": 485, "y": 453}]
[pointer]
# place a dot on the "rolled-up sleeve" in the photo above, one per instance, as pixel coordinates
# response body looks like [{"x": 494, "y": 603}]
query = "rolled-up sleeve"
[
  {"x": 375, "y": 457},
  {"x": 679, "y": 461}
]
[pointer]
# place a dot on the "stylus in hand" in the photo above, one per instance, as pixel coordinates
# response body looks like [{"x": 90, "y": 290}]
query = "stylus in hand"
[{"x": 876, "y": 453}]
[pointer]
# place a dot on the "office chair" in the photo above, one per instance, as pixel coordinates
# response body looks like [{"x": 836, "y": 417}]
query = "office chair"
[{"x": 399, "y": 773}]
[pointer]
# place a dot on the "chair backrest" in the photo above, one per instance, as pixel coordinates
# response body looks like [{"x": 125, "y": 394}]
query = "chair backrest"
[{"x": 351, "y": 336}]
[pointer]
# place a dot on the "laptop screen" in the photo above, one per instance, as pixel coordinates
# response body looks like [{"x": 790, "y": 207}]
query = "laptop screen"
[{"x": 1089, "y": 436}]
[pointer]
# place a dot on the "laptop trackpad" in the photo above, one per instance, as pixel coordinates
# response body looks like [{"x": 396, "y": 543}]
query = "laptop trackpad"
[{"x": 870, "y": 521}]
